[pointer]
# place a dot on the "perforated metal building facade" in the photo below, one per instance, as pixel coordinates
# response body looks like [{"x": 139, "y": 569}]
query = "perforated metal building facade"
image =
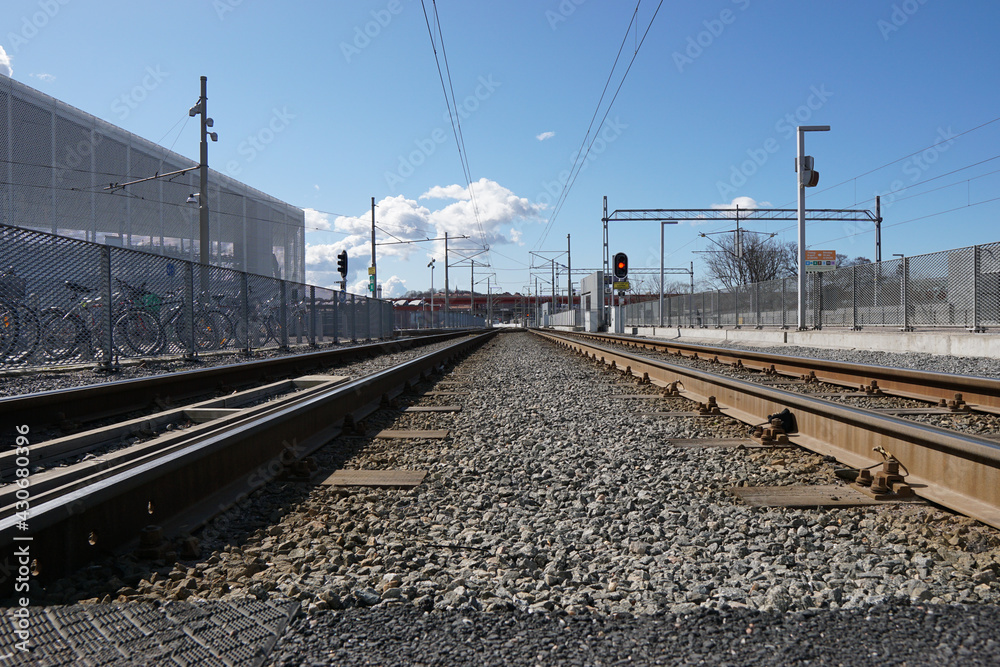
[{"x": 59, "y": 161}]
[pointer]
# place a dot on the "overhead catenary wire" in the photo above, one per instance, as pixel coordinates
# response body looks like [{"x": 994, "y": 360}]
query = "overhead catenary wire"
[
  {"x": 452, "y": 104},
  {"x": 578, "y": 163}
]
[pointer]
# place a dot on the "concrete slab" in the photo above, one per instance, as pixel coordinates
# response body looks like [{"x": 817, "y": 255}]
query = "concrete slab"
[
  {"x": 832, "y": 495},
  {"x": 377, "y": 478},
  {"x": 408, "y": 435}
]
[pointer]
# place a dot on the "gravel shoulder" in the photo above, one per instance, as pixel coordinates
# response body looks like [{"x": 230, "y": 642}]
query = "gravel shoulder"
[{"x": 558, "y": 526}]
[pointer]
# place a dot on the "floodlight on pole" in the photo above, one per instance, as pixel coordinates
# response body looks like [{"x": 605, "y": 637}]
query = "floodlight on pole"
[{"x": 805, "y": 176}]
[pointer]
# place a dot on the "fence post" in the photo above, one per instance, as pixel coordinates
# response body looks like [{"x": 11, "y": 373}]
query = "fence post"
[
  {"x": 188, "y": 304},
  {"x": 976, "y": 268},
  {"x": 354, "y": 320},
  {"x": 283, "y": 313},
  {"x": 818, "y": 317},
  {"x": 381, "y": 313},
  {"x": 336, "y": 315},
  {"x": 312, "y": 316},
  {"x": 756, "y": 296},
  {"x": 854, "y": 298},
  {"x": 107, "y": 342},
  {"x": 784, "y": 315},
  {"x": 736, "y": 306},
  {"x": 904, "y": 296},
  {"x": 245, "y": 310}
]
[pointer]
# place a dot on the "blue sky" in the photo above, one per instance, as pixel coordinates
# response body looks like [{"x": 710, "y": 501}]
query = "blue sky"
[{"x": 328, "y": 104}]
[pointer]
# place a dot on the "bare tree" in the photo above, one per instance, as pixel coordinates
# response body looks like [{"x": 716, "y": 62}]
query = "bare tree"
[{"x": 758, "y": 258}]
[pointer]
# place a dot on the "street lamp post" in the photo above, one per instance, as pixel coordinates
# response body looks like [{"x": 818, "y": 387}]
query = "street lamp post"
[{"x": 801, "y": 177}]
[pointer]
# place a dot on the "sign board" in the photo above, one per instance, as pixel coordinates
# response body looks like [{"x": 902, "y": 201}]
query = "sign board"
[
  {"x": 820, "y": 260},
  {"x": 371, "y": 269},
  {"x": 623, "y": 284}
]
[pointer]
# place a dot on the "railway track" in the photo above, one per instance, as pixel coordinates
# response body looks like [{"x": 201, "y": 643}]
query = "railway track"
[
  {"x": 180, "y": 479},
  {"x": 552, "y": 492},
  {"x": 956, "y": 470}
]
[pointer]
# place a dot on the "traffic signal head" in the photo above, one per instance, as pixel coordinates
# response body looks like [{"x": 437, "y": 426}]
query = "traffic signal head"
[
  {"x": 342, "y": 264},
  {"x": 621, "y": 265}
]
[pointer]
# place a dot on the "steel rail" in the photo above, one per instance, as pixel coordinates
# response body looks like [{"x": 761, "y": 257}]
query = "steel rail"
[
  {"x": 958, "y": 471},
  {"x": 981, "y": 394},
  {"x": 91, "y": 402},
  {"x": 205, "y": 476}
]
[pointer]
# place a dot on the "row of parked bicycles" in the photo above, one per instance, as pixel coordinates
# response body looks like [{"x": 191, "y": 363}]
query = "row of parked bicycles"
[{"x": 142, "y": 322}]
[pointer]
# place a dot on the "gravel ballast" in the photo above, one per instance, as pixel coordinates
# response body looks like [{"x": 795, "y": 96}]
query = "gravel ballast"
[{"x": 558, "y": 525}]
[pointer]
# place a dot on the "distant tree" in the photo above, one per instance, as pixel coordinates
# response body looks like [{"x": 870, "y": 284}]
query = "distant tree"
[
  {"x": 760, "y": 258},
  {"x": 857, "y": 261}
]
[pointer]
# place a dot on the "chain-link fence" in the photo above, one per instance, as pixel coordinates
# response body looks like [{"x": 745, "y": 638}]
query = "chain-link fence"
[
  {"x": 64, "y": 300},
  {"x": 949, "y": 289}
]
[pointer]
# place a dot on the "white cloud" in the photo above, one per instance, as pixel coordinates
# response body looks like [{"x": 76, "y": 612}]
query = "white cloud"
[
  {"x": 393, "y": 286},
  {"x": 44, "y": 77},
  {"x": 743, "y": 202},
  {"x": 545, "y": 135},
  {"x": 317, "y": 187},
  {"x": 5, "y": 67},
  {"x": 316, "y": 220},
  {"x": 402, "y": 219},
  {"x": 446, "y": 192},
  {"x": 515, "y": 236}
]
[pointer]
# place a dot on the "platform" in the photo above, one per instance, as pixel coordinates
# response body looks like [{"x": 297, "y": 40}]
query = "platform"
[{"x": 944, "y": 342}]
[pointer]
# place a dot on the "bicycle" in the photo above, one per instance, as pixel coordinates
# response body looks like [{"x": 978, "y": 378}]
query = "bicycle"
[
  {"x": 78, "y": 330},
  {"x": 20, "y": 331},
  {"x": 213, "y": 328}
]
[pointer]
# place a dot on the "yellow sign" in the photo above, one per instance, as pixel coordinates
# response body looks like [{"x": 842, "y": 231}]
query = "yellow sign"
[
  {"x": 371, "y": 270},
  {"x": 620, "y": 285},
  {"x": 821, "y": 260}
]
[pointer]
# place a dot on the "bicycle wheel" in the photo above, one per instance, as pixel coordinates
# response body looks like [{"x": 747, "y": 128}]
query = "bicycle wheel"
[
  {"x": 273, "y": 331},
  {"x": 140, "y": 332},
  {"x": 222, "y": 324},
  {"x": 61, "y": 333},
  {"x": 29, "y": 334},
  {"x": 8, "y": 328}
]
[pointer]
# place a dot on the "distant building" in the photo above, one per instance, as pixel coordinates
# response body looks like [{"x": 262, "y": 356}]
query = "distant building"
[{"x": 57, "y": 162}]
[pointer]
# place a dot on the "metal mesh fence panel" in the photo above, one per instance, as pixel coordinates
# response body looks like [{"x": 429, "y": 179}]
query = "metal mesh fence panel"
[
  {"x": 149, "y": 295},
  {"x": 988, "y": 287},
  {"x": 53, "y": 299},
  {"x": 769, "y": 303}
]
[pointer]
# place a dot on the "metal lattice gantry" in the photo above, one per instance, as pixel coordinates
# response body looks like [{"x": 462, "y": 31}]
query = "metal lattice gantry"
[{"x": 736, "y": 213}]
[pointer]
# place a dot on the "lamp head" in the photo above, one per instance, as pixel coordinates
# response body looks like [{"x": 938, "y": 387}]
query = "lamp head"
[{"x": 193, "y": 198}]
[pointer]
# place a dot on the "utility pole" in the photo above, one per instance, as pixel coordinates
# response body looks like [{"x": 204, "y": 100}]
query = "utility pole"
[
  {"x": 373, "y": 281},
  {"x": 446, "y": 297},
  {"x": 569, "y": 275}
]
